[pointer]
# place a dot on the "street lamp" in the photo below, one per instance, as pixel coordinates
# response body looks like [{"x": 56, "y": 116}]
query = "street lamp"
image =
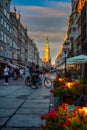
[
  {"x": 65, "y": 49},
  {"x": 65, "y": 61}
]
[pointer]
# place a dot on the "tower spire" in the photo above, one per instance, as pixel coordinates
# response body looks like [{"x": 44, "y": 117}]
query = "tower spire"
[
  {"x": 47, "y": 43},
  {"x": 47, "y": 38},
  {"x": 14, "y": 8},
  {"x": 47, "y": 51}
]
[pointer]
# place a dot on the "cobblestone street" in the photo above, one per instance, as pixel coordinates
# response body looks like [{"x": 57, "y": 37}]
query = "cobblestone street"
[{"x": 21, "y": 107}]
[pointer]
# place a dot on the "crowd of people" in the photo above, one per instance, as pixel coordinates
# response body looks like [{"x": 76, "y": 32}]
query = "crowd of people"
[
  {"x": 16, "y": 73},
  {"x": 32, "y": 69}
]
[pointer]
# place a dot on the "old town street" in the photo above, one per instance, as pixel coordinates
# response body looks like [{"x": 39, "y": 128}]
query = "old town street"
[{"x": 21, "y": 107}]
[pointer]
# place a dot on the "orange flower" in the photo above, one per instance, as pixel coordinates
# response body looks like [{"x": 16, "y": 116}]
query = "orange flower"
[{"x": 63, "y": 119}]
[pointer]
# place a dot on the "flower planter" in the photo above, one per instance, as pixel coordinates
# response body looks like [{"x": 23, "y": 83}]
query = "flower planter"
[
  {"x": 69, "y": 99},
  {"x": 65, "y": 119}
]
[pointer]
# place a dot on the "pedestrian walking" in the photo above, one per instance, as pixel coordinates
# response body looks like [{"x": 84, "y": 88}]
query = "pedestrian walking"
[
  {"x": 11, "y": 71},
  {"x": 6, "y": 74},
  {"x": 16, "y": 74}
]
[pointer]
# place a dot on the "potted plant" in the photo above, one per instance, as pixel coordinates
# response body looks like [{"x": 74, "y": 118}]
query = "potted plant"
[
  {"x": 58, "y": 82},
  {"x": 69, "y": 93},
  {"x": 65, "y": 119}
]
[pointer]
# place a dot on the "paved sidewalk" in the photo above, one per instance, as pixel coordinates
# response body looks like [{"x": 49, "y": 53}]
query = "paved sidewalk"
[
  {"x": 21, "y": 107},
  {"x": 20, "y": 81},
  {"x": 12, "y": 82}
]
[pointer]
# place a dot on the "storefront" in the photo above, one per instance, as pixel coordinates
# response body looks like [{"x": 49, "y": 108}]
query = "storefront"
[{"x": 2, "y": 65}]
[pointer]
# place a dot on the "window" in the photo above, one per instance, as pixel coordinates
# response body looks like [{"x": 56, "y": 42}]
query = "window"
[
  {"x": 5, "y": 24},
  {"x": 5, "y": 38},
  {"x": 1, "y": 50},
  {"x": 7, "y": 27},
  {"x": 1, "y": 20},
  {"x": 10, "y": 30},
  {"x": 8, "y": 15},
  {"x": 1, "y": 36},
  {"x": 8, "y": 39},
  {"x": 5, "y": 12}
]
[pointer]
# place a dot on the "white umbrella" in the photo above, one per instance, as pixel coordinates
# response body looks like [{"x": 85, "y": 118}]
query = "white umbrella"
[
  {"x": 80, "y": 59},
  {"x": 70, "y": 62}
]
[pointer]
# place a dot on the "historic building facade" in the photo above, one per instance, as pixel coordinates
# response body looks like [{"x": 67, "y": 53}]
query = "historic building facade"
[
  {"x": 77, "y": 32},
  {"x": 5, "y": 30}
]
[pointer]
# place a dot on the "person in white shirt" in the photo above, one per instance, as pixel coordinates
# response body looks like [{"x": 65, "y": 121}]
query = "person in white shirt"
[
  {"x": 26, "y": 72},
  {"x": 6, "y": 74},
  {"x": 22, "y": 73}
]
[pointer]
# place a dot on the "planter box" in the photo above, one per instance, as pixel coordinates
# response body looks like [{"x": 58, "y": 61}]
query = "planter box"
[{"x": 69, "y": 99}]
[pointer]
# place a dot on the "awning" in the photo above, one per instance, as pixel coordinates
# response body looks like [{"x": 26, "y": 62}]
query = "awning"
[
  {"x": 20, "y": 66},
  {"x": 80, "y": 59},
  {"x": 12, "y": 65},
  {"x": 2, "y": 61}
]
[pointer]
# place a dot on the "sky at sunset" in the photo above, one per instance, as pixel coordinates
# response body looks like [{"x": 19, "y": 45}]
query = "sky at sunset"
[{"x": 45, "y": 18}]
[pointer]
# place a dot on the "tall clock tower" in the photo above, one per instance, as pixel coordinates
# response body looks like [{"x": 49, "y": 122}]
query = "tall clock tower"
[{"x": 47, "y": 51}]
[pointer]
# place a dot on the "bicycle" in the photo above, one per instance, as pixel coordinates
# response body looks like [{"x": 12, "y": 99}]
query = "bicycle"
[{"x": 34, "y": 82}]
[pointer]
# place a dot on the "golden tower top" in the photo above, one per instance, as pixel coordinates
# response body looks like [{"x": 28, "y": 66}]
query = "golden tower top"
[{"x": 47, "y": 43}]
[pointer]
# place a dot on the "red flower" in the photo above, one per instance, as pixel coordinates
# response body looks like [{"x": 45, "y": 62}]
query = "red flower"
[
  {"x": 74, "y": 128},
  {"x": 67, "y": 123},
  {"x": 42, "y": 117},
  {"x": 51, "y": 90}
]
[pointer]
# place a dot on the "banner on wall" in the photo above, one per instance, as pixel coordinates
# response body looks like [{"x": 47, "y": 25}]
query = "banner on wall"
[
  {"x": 74, "y": 30},
  {"x": 68, "y": 43}
]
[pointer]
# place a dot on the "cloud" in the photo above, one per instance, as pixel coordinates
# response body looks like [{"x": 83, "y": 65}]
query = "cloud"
[
  {"x": 59, "y": 10},
  {"x": 42, "y": 22}
]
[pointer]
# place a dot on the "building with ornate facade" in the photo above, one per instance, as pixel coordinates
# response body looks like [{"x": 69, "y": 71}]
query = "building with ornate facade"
[
  {"x": 16, "y": 47},
  {"x": 77, "y": 32}
]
